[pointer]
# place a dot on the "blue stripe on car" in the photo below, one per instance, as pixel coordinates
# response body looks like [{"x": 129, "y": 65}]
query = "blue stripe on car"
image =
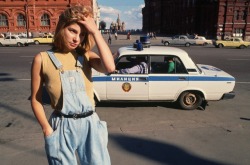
[{"x": 161, "y": 78}]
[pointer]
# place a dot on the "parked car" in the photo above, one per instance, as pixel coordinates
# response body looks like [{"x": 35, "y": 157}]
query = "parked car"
[
  {"x": 190, "y": 85},
  {"x": 47, "y": 39},
  {"x": 233, "y": 42},
  {"x": 178, "y": 40},
  {"x": 201, "y": 40},
  {"x": 15, "y": 40}
]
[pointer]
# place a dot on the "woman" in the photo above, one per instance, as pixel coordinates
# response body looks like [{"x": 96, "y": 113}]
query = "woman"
[{"x": 66, "y": 72}]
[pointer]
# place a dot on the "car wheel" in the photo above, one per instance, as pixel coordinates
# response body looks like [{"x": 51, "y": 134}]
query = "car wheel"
[
  {"x": 242, "y": 47},
  {"x": 1, "y": 44},
  {"x": 19, "y": 44},
  {"x": 220, "y": 46},
  {"x": 36, "y": 42},
  {"x": 205, "y": 44},
  {"x": 187, "y": 44},
  {"x": 190, "y": 100},
  {"x": 166, "y": 43}
]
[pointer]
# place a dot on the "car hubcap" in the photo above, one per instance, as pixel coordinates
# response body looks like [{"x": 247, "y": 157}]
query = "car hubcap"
[{"x": 190, "y": 99}]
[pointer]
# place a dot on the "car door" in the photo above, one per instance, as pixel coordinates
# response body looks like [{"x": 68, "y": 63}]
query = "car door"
[
  {"x": 45, "y": 39},
  {"x": 49, "y": 39},
  {"x": 236, "y": 42},
  {"x": 124, "y": 86},
  {"x": 182, "y": 41},
  {"x": 230, "y": 43},
  {"x": 7, "y": 40},
  {"x": 175, "y": 39},
  {"x": 164, "y": 85}
]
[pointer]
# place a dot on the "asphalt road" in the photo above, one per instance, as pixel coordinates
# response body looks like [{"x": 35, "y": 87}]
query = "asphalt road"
[{"x": 139, "y": 133}]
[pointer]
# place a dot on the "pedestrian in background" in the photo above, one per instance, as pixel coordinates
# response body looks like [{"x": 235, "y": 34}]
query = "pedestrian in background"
[
  {"x": 154, "y": 35},
  {"x": 128, "y": 35},
  {"x": 116, "y": 36},
  {"x": 110, "y": 38},
  {"x": 65, "y": 70}
]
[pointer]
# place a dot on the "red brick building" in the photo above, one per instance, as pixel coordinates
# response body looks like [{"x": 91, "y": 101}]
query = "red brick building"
[
  {"x": 33, "y": 16},
  {"x": 211, "y": 18}
]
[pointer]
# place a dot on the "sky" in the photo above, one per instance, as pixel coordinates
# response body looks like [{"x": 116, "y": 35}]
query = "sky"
[{"x": 130, "y": 12}]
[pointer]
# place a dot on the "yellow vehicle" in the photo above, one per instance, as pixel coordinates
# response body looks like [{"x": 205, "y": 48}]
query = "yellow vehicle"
[
  {"x": 47, "y": 39},
  {"x": 233, "y": 42}
]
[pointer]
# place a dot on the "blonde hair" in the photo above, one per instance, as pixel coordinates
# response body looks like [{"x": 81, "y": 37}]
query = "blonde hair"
[{"x": 68, "y": 17}]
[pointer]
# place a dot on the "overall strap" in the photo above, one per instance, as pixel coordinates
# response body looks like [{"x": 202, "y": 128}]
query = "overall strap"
[
  {"x": 53, "y": 58},
  {"x": 79, "y": 62}
]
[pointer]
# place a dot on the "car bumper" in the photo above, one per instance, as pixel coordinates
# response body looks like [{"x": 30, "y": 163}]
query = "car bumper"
[{"x": 229, "y": 95}]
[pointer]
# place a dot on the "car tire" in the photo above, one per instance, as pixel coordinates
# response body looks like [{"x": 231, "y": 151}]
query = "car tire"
[
  {"x": 19, "y": 44},
  {"x": 242, "y": 46},
  {"x": 166, "y": 43},
  {"x": 205, "y": 44},
  {"x": 190, "y": 100},
  {"x": 1, "y": 44},
  {"x": 187, "y": 44},
  {"x": 36, "y": 42},
  {"x": 220, "y": 46}
]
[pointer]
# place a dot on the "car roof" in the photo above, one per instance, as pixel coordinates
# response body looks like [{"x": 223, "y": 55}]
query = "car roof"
[
  {"x": 14, "y": 35},
  {"x": 152, "y": 50},
  {"x": 158, "y": 50}
]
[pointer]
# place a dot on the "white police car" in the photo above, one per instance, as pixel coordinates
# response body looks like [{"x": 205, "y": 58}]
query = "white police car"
[{"x": 188, "y": 84}]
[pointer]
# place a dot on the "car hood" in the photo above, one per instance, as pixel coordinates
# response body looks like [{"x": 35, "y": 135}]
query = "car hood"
[{"x": 213, "y": 71}]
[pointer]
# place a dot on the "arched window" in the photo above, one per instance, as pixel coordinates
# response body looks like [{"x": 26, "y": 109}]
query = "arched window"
[
  {"x": 3, "y": 20},
  {"x": 45, "y": 20},
  {"x": 21, "y": 20}
]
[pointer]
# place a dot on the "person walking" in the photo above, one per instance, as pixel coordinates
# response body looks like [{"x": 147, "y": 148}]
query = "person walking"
[
  {"x": 128, "y": 35},
  {"x": 110, "y": 38},
  {"x": 65, "y": 70},
  {"x": 116, "y": 36}
]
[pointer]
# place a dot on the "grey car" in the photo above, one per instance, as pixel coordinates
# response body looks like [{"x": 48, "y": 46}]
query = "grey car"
[{"x": 178, "y": 40}]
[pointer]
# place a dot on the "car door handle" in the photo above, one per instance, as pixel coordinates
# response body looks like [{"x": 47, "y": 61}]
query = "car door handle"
[{"x": 182, "y": 78}]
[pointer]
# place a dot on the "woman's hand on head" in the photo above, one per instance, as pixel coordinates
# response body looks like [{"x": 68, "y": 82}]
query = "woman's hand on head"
[{"x": 89, "y": 23}]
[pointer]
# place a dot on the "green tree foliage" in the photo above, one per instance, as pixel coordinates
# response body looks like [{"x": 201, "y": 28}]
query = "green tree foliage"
[{"x": 102, "y": 25}]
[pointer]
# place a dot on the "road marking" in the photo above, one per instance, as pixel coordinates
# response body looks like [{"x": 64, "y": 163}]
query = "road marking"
[
  {"x": 7, "y": 52},
  {"x": 238, "y": 59},
  {"x": 242, "y": 82},
  {"x": 20, "y": 79},
  {"x": 26, "y": 56}
]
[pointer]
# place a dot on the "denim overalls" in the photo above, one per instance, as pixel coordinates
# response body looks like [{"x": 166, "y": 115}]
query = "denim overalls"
[{"x": 88, "y": 137}]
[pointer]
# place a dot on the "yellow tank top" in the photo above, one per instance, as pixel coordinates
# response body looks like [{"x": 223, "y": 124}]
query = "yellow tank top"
[{"x": 52, "y": 77}]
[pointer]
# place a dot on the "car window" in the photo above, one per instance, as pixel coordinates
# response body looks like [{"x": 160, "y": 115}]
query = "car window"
[
  {"x": 126, "y": 62},
  {"x": 166, "y": 64},
  {"x": 174, "y": 37}
]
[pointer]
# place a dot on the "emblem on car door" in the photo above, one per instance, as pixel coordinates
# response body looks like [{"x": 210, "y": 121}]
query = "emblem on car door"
[{"x": 126, "y": 87}]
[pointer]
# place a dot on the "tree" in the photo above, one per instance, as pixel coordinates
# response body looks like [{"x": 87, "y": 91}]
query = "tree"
[{"x": 102, "y": 25}]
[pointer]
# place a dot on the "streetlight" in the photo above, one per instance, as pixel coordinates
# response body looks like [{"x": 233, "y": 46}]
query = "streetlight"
[{"x": 27, "y": 18}]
